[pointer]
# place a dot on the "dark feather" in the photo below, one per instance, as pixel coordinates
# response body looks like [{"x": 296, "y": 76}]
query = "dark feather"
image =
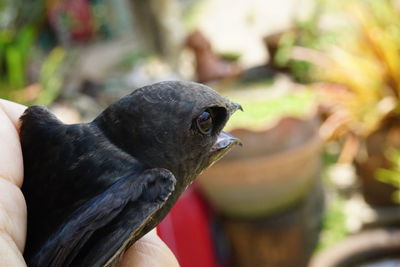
[{"x": 93, "y": 189}]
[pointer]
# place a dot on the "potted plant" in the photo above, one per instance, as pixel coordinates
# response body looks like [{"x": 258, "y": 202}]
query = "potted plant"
[
  {"x": 268, "y": 192},
  {"x": 362, "y": 66}
]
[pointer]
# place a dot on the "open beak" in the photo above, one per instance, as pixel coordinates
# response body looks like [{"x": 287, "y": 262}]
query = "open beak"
[{"x": 225, "y": 141}]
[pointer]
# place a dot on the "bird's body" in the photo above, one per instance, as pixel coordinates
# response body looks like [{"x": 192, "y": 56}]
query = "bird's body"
[
  {"x": 83, "y": 150},
  {"x": 93, "y": 189}
]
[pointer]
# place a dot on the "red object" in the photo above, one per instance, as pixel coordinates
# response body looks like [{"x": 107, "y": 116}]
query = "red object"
[
  {"x": 73, "y": 17},
  {"x": 186, "y": 231}
]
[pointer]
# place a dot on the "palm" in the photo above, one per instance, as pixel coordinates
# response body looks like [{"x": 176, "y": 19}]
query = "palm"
[{"x": 12, "y": 203}]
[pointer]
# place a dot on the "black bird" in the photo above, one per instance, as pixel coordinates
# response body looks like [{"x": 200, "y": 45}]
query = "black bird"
[{"x": 93, "y": 189}]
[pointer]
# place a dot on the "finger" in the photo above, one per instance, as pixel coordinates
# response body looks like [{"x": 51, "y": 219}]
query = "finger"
[
  {"x": 12, "y": 213},
  {"x": 150, "y": 250},
  {"x": 11, "y": 165},
  {"x": 9, "y": 253},
  {"x": 13, "y": 111},
  {"x": 12, "y": 203}
]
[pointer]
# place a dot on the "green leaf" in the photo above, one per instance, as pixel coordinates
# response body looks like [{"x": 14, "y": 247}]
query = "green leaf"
[
  {"x": 25, "y": 41},
  {"x": 391, "y": 177},
  {"x": 50, "y": 76},
  {"x": 15, "y": 67},
  {"x": 396, "y": 197}
]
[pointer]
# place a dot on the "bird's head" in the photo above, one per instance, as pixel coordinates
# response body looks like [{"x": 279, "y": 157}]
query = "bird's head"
[{"x": 173, "y": 125}]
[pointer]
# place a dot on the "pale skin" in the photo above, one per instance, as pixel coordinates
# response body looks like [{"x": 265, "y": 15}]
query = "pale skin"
[{"x": 148, "y": 251}]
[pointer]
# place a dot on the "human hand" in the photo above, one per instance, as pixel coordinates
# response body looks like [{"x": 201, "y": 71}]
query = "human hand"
[{"x": 150, "y": 250}]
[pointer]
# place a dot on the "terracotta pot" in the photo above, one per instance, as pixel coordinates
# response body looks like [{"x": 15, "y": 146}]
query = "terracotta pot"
[
  {"x": 271, "y": 172},
  {"x": 377, "y": 193},
  {"x": 286, "y": 239}
]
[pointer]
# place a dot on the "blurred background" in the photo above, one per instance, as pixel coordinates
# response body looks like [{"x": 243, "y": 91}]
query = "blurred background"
[{"x": 317, "y": 182}]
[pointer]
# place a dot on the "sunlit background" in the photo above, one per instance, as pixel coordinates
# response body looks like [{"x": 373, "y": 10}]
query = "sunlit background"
[{"x": 317, "y": 182}]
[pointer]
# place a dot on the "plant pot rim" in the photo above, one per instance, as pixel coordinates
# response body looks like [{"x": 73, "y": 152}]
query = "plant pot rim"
[
  {"x": 263, "y": 184},
  {"x": 313, "y": 140},
  {"x": 356, "y": 249}
]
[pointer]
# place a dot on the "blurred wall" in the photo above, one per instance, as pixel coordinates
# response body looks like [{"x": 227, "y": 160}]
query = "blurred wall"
[{"x": 239, "y": 25}]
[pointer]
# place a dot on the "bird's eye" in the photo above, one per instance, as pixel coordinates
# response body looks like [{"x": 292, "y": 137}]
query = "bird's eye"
[{"x": 204, "y": 122}]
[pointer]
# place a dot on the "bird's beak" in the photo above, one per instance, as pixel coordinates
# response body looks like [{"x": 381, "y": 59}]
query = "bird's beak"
[
  {"x": 225, "y": 141},
  {"x": 234, "y": 107}
]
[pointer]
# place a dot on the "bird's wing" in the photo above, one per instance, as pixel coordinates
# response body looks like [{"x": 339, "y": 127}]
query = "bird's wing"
[{"x": 97, "y": 230}]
